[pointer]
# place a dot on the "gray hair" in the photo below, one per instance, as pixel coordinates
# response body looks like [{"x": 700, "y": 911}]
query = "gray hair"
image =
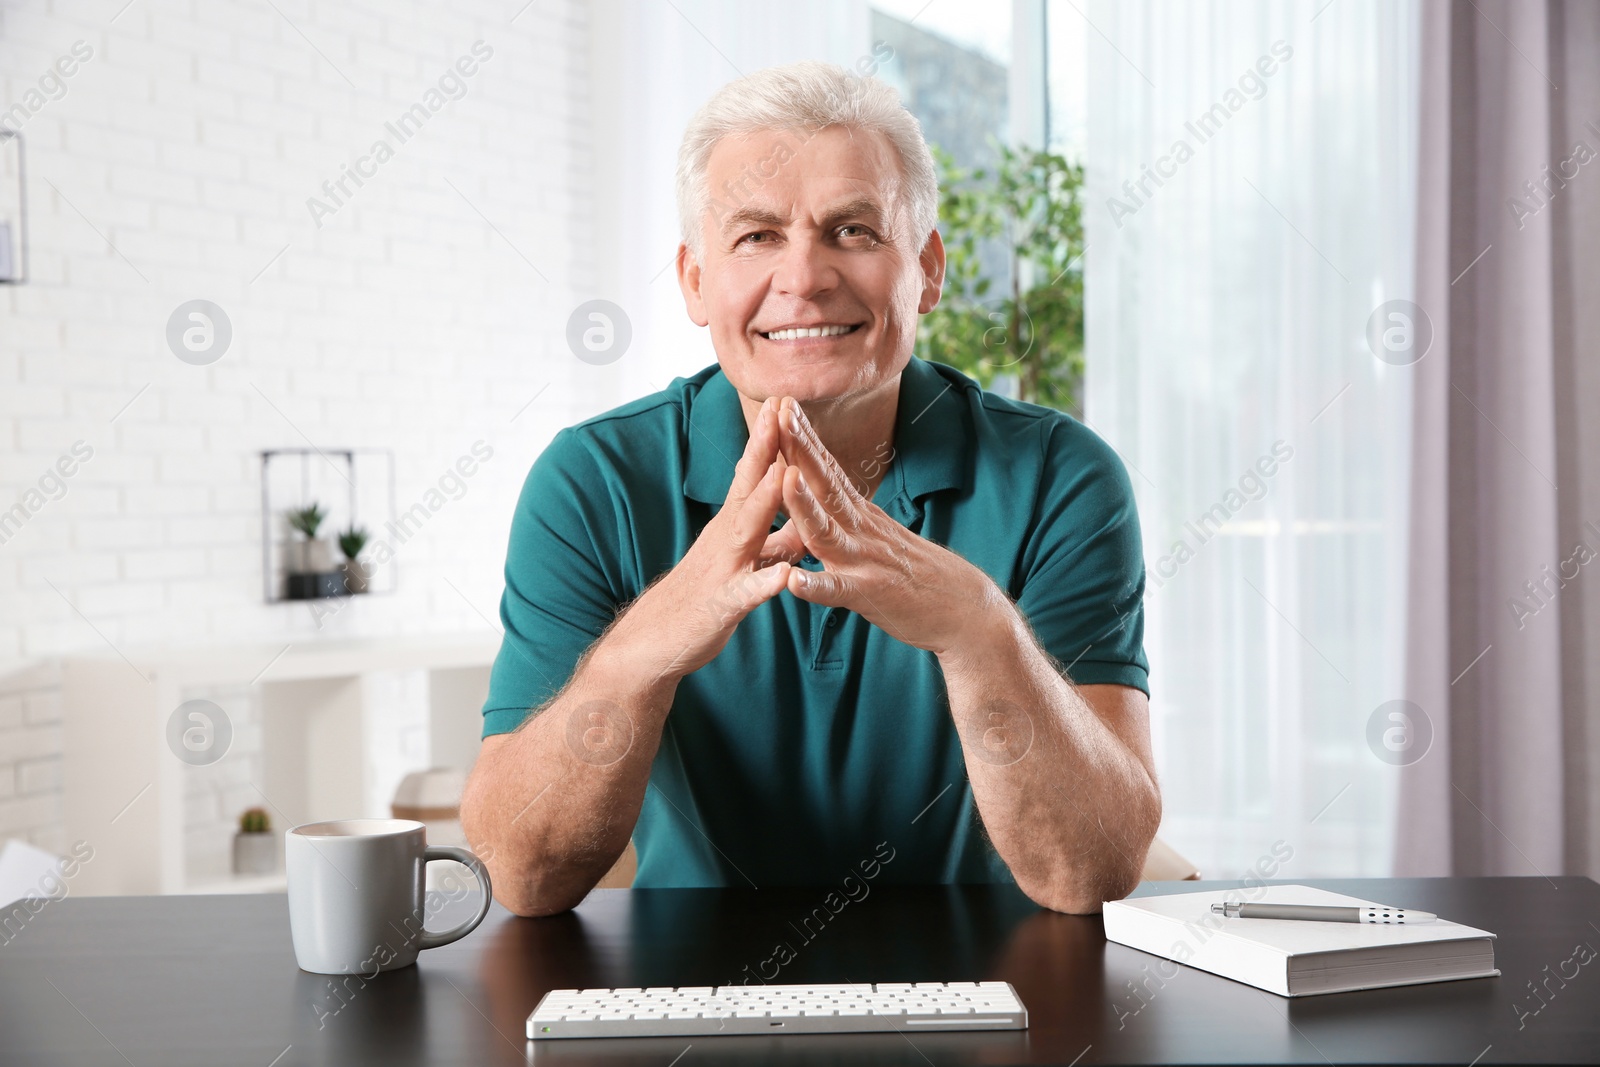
[{"x": 805, "y": 95}]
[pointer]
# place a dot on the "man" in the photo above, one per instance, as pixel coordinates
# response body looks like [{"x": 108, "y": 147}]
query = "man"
[{"x": 823, "y": 605}]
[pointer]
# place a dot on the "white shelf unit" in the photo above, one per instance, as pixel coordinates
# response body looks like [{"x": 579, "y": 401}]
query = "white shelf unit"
[{"x": 124, "y": 788}]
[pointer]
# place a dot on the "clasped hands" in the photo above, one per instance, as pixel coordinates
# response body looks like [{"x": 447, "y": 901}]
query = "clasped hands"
[
  {"x": 911, "y": 587},
  {"x": 917, "y": 591}
]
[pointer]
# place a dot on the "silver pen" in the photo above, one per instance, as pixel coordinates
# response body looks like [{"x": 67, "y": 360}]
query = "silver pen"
[{"x": 1234, "y": 909}]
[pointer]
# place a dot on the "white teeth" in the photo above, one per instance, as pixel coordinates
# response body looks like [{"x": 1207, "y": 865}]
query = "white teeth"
[{"x": 814, "y": 331}]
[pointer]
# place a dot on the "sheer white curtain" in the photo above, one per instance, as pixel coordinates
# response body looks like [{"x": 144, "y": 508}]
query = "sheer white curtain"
[{"x": 1251, "y": 170}]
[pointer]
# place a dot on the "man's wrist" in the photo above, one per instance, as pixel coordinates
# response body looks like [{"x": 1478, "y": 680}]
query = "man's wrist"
[
  {"x": 618, "y": 662},
  {"x": 991, "y": 634}
]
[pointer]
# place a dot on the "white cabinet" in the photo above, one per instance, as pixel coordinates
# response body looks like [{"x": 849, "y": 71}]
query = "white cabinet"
[{"x": 320, "y": 710}]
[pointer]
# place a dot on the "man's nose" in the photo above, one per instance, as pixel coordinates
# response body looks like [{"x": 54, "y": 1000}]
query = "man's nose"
[{"x": 805, "y": 269}]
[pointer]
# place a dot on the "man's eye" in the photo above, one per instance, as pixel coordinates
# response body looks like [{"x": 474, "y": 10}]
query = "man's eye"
[
  {"x": 860, "y": 230},
  {"x": 750, "y": 237}
]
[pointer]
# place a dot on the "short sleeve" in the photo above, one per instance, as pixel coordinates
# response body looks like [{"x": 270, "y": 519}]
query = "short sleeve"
[
  {"x": 558, "y": 597},
  {"x": 1083, "y": 577}
]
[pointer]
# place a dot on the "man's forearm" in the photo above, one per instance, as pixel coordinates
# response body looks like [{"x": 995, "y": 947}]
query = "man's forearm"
[
  {"x": 552, "y": 805},
  {"x": 1069, "y": 806}
]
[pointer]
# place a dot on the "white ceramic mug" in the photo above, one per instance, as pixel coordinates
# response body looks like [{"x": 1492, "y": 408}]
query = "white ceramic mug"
[{"x": 356, "y": 897}]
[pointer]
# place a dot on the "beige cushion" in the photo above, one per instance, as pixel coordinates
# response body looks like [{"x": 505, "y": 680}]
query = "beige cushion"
[{"x": 1162, "y": 864}]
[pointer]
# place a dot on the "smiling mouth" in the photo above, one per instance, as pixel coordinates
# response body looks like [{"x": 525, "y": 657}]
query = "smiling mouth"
[{"x": 805, "y": 333}]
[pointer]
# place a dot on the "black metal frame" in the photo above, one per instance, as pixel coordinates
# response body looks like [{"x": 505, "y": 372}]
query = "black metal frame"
[{"x": 269, "y": 584}]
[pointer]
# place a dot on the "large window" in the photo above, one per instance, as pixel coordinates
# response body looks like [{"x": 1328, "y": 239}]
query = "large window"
[
  {"x": 983, "y": 87},
  {"x": 952, "y": 67}
]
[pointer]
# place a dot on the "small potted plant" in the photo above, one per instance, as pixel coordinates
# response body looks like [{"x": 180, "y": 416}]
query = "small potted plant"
[
  {"x": 351, "y": 542},
  {"x": 255, "y": 847},
  {"x": 309, "y": 560}
]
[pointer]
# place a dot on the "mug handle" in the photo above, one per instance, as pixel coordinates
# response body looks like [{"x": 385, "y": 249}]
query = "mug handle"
[{"x": 472, "y": 863}]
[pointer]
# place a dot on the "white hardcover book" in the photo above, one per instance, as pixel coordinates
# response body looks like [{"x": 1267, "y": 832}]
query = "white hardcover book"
[{"x": 1293, "y": 957}]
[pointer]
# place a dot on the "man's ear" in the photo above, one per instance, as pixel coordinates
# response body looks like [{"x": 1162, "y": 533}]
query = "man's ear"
[
  {"x": 932, "y": 260},
  {"x": 689, "y": 282}
]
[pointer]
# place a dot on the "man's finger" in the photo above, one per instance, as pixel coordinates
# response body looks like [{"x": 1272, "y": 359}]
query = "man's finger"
[
  {"x": 762, "y": 585},
  {"x": 757, "y": 510},
  {"x": 759, "y": 451},
  {"x": 827, "y": 588},
  {"x": 804, "y": 449},
  {"x": 783, "y": 544},
  {"x": 749, "y": 590},
  {"x": 818, "y": 527}
]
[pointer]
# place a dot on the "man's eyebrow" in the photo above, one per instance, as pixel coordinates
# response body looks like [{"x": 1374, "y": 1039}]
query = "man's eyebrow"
[
  {"x": 861, "y": 207},
  {"x": 758, "y": 216},
  {"x": 753, "y": 216}
]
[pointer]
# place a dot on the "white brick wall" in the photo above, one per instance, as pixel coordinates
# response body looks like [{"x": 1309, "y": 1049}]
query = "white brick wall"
[{"x": 176, "y": 166}]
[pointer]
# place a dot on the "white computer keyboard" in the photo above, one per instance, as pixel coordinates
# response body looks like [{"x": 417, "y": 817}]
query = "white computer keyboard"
[{"x": 662, "y": 1011}]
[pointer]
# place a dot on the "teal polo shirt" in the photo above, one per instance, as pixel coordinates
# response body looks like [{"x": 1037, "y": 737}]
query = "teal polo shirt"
[{"x": 814, "y": 737}]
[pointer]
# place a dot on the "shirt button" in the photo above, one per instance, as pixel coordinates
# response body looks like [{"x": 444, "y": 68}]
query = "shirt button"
[
  {"x": 809, "y": 558},
  {"x": 833, "y": 620}
]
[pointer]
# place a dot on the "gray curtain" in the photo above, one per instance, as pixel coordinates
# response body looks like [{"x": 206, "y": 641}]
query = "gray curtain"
[{"x": 1503, "y": 642}]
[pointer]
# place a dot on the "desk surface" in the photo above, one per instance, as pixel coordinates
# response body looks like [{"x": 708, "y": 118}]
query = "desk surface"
[{"x": 212, "y": 980}]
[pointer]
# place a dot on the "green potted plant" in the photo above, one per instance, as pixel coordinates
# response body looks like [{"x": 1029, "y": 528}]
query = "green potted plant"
[
  {"x": 309, "y": 560},
  {"x": 1031, "y": 335},
  {"x": 255, "y": 847},
  {"x": 351, "y": 543}
]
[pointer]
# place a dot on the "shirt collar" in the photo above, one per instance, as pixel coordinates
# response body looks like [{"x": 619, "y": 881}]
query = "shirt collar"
[{"x": 931, "y": 436}]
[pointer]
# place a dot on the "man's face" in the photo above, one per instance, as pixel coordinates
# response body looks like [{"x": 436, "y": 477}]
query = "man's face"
[{"x": 807, "y": 229}]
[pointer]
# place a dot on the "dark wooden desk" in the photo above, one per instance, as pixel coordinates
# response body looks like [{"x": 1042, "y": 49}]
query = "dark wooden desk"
[{"x": 171, "y": 981}]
